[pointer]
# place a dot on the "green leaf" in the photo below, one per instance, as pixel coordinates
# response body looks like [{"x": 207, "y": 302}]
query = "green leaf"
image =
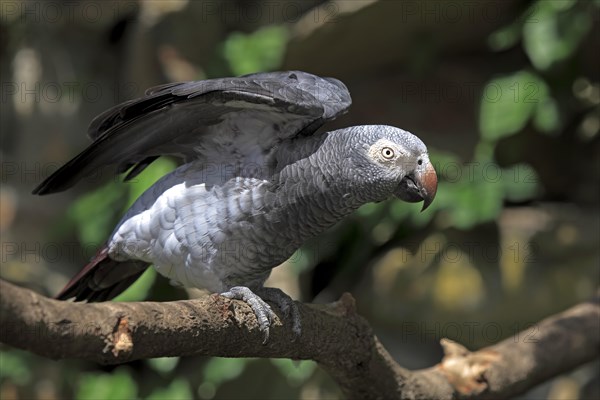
[
  {"x": 521, "y": 182},
  {"x": 13, "y": 366},
  {"x": 261, "y": 50},
  {"x": 369, "y": 209},
  {"x": 505, "y": 38},
  {"x": 553, "y": 35},
  {"x": 218, "y": 370},
  {"x": 547, "y": 116},
  {"x": 400, "y": 211},
  {"x": 138, "y": 291},
  {"x": 508, "y": 102},
  {"x": 164, "y": 365},
  {"x": 301, "y": 260},
  {"x": 117, "y": 385},
  {"x": 296, "y": 372},
  {"x": 148, "y": 177},
  {"x": 484, "y": 151},
  {"x": 443, "y": 160},
  {"x": 94, "y": 213},
  {"x": 179, "y": 389},
  {"x": 471, "y": 201},
  {"x": 561, "y": 5}
]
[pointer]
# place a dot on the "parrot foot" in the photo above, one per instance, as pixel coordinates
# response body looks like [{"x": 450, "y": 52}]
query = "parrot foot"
[
  {"x": 262, "y": 310},
  {"x": 264, "y": 313},
  {"x": 286, "y": 305}
]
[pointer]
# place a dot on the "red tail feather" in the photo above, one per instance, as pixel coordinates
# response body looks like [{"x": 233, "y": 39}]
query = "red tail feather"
[{"x": 102, "y": 278}]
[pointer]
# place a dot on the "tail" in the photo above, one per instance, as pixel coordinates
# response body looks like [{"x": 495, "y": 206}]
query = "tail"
[{"x": 102, "y": 279}]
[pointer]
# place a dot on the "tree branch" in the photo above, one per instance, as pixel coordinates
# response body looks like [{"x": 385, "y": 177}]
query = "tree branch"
[{"x": 333, "y": 335}]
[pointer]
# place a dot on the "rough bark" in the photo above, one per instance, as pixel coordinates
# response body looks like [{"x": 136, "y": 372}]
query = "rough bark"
[{"x": 336, "y": 337}]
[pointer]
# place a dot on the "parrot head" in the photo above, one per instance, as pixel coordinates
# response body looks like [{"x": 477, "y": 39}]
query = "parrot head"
[{"x": 400, "y": 163}]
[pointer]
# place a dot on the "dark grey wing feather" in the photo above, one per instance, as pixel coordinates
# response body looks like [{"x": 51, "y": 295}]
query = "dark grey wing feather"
[{"x": 185, "y": 119}]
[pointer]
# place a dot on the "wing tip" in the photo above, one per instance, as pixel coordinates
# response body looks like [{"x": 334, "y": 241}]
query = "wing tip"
[
  {"x": 52, "y": 184},
  {"x": 42, "y": 189}
]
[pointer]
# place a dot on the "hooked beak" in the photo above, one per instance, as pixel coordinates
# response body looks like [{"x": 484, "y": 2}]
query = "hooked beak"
[{"x": 420, "y": 185}]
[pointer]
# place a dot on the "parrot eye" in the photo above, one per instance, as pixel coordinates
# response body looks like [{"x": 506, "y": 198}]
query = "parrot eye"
[
  {"x": 420, "y": 161},
  {"x": 387, "y": 153}
]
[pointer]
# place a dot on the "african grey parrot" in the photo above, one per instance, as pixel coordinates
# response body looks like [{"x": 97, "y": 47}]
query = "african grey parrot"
[{"x": 256, "y": 182}]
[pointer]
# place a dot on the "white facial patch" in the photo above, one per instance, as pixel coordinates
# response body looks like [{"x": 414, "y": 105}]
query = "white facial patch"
[{"x": 386, "y": 152}]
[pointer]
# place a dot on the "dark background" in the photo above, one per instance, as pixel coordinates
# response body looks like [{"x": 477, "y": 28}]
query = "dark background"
[{"x": 505, "y": 94}]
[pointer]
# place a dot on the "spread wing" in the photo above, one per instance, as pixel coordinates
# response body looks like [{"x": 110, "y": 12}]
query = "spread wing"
[{"x": 242, "y": 117}]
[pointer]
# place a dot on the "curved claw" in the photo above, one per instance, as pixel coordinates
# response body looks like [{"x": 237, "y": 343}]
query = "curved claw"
[
  {"x": 287, "y": 306},
  {"x": 264, "y": 313},
  {"x": 262, "y": 310}
]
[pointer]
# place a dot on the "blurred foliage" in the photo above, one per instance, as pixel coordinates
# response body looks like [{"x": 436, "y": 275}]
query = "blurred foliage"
[
  {"x": 94, "y": 213},
  {"x": 119, "y": 384},
  {"x": 550, "y": 31},
  {"x": 14, "y": 366},
  {"x": 163, "y": 365},
  {"x": 219, "y": 370},
  {"x": 179, "y": 389},
  {"x": 296, "y": 372},
  {"x": 467, "y": 196},
  {"x": 406, "y": 277},
  {"x": 147, "y": 178},
  {"x": 509, "y": 102},
  {"x": 258, "y": 51},
  {"x": 140, "y": 288},
  {"x": 555, "y": 31}
]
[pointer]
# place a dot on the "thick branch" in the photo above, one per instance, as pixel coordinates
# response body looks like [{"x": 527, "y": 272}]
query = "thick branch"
[
  {"x": 333, "y": 335},
  {"x": 110, "y": 333},
  {"x": 554, "y": 346}
]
